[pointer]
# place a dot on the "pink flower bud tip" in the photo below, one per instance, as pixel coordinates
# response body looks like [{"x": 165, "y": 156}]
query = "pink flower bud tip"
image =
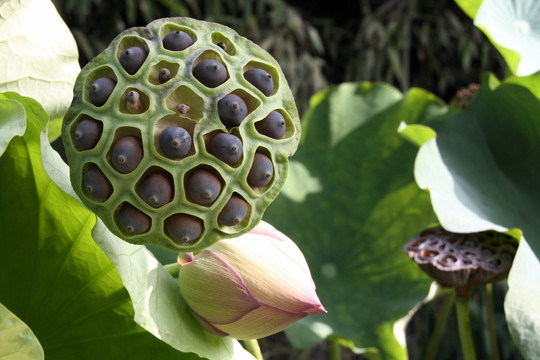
[{"x": 251, "y": 286}]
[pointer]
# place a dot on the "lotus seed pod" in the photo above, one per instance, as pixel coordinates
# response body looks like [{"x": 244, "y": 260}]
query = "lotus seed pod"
[
  {"x": 184, "y": 228},
  {"x": 87, "y": 134},
  {"x": 462, "y": 260},
  {"x": 210, "y": 73},
  {"x": 175, "y": 142},
  {"x": 96, "y": 184},
  {"x": 126, "y": 154},
  {"x": 203, "y": 187},
  {"x": 156, "y": 190},
  {"x": 132, "y": 59},
  {"x": 261, "y": 171},
  {"x": 177, "y": 41},
  {"x": 164, "y": 75},
  {"x": 133, "y": 220},
  {"x": 233, "y": 212},
  {"x": 161, "y": 115},
  {"x": 226, "y": 147},
  {"x": 272, "y": 125},
  {"x": 232, "y": 110},
  {"x": 100, "y": 90},
  {"x": 261, "y": 80}
]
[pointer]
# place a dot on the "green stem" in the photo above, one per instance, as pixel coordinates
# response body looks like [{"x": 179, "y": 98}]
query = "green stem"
[
  {"x": 335, "y": 349},
  {"x": 464, "y": 326},
  {"x": 253, "y": 347},
  {"x": 440, "y": 325},
  {"x": 491, "y": 322},
  {"x": 173, "y": 269}
]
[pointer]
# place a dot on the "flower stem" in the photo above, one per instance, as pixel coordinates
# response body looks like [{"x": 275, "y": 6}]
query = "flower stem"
[
  {"x": 335, "y": 349},
  {"x": 253, "y": 347},
  {"x": 464, "y": 326},
  {"x": 491, "y": 322},
  {"x": 440, "y": 325},
  {"x": 172, "y": 269}
]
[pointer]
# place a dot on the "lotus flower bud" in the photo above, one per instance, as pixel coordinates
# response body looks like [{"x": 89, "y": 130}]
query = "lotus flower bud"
[{"x": 251, "y": 286}]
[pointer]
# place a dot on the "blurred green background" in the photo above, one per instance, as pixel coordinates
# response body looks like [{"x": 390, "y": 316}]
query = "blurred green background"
[{"x": 423, "y": 43}]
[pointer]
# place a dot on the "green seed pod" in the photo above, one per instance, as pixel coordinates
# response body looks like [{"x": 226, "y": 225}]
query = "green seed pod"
[{"x": 178, "y": 84}]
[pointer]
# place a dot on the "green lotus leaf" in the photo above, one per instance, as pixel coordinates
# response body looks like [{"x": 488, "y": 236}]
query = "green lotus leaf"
[{"x": 353, "y": 224}]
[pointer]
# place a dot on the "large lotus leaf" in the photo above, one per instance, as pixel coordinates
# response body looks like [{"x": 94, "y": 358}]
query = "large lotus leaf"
[
  {"x": 482, "y": 173},
  {"x": 54, "y": 277},
  {"x": 158, "y": 304},
  {"x": 358, "y": 209},
  {"x": 522, "y": 303},
  {"x": 17, "y": 341},
  {"x": 38, "y": 53},
  {"x": 513, "y": 27}
]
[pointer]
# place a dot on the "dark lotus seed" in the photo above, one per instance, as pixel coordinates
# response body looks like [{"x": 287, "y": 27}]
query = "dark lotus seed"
[
  {"x": 261, "y": 80},
  {"x": 232, "y": 110},
  {"x": 87, "y": 133},
  {"x": 226, "y": 147},
  {"x": 164, "y": 75},
  {"x": 96, "y": 184},
  {"x": 100, "y": 90},
  {"x": 233, "y": 212},
  {"x": 261, "y": 171},
  {"x": 132, "y": 59},
  {"x": 175, "y": 142},
  {"x": 183, "y": 228},
  {"x": 126, "y": 154},
  {"x": 156, "y": 190},
  {"x": 210, "y": 73},
  {"x": 273, "y": 125},
  {"x": 177, "y": 41},
  {"x": 133, "y": 220},
  {"x": 203, "y": 187}
]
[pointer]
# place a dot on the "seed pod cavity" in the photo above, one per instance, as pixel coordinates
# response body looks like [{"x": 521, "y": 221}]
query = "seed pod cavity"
[
  {"x": 100, "y": 90},
  {"x": 203, "y": 187},
  {"x": 226, "y": 147},
  {"x": 273, "y": 125},
  {"x": 183, "y": 228},
  {"x": 133, "y": 221},
  {"x": 234, "y": 212},
  {"x": 211, "y": 73},
  {"x": 87, "y": 133},
  {"x": 157, "y": 189},
  {"x": 132, "y": 59},
  {"x": 95, "y": 183},
  {"x": 232, "y": 110},
  {"x": 261, "y": 171},
  {"x": 261, "y": 79},
  {"x": 126, "y": 154},
  {"x": 177, "y": 40}
]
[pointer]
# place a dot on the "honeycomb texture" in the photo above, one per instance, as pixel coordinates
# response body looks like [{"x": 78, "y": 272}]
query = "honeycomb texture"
[
  {"x": 149, "y": 88},
  {"x": 457, "y": 260}
]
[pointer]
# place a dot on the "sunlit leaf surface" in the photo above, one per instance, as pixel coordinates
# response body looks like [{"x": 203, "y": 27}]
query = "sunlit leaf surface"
[
  {"x": 17, "y": 341},
  {"x": 38, "y": 54}
]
